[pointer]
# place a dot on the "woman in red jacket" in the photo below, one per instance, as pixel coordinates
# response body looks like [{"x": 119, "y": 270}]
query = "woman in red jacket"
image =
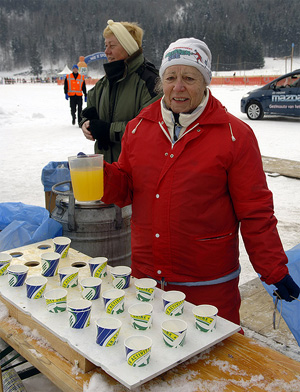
[{"x": 193, "y": 174}]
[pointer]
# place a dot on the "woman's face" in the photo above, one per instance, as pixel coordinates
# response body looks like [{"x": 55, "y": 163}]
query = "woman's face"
[
  {"x": 183, "y": 87},
  {"x": 114, "y": 50}
]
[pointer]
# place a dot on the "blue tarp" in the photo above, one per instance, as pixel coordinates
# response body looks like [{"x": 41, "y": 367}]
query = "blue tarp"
[
  {"x": 24, "y": 224},
  {"x": 55, "y": 172},
  {"x": 290, "y": 310}
]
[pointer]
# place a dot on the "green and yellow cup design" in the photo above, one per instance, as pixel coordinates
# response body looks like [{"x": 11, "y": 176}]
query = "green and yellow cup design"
[
  {"x": 141, "y": 316},
  {"x": 174, "y": 332},
  {"x": 50, "y": 262},
  {"x": 17, "y": 274},
  {"x": 114, "y": 301},
  {"x": 138, "y": 350},
  {"x": 5, "y": 260},
  {"x": 79, "y": 313},
  {"x": 68, "y": 277},
  {"x": 121, "y": 276},
  {"x": 205, "y": 317},
  {"x": 145, "y": 288},
  {"x": 35, "y": 286},
  {"x": 62, "y": 246},
  {"x": 90, "y": 288},
  {"x": 98, "y": 267},
  {"x": 108, "y": 329},
  {"x": 173, "y": 302},
  {"x": 56, "y": 300}
]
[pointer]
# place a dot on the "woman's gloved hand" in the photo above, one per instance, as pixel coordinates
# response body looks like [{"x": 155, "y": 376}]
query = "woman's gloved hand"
[
  {"x": 287, "y": 289},
  {"x": 101, "y": 131}
]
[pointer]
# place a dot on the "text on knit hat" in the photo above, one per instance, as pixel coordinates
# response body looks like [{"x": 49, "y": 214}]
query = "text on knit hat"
[{"x": 188, "y": 51}]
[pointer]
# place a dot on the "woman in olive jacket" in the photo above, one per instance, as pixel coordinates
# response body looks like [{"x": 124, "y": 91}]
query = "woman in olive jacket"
[{"x": 126, "y": 88}]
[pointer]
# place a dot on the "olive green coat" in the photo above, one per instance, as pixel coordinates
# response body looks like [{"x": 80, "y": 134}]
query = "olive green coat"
[{"x": 120, "y": 103}]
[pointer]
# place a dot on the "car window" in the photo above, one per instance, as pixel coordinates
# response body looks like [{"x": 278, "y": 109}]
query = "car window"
[
  {"x": 291, "y": 81},
  {"x": 295, "y": 81}
]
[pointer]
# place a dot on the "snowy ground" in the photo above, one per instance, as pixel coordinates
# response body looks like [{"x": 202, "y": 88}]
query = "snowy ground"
[{"x": 35, "y": 128}]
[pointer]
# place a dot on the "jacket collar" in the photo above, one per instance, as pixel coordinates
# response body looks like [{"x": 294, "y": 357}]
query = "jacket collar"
[
  {"x": 118, "y": 70},
  {"x": 214, "y": 112},
  {"x": 184, "y": 119}
]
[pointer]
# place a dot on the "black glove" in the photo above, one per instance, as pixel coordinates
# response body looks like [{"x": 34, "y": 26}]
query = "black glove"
[
  {"x": 287, "y": 288},
  {"x": 90, "y": 113},
  {"x": 100, "y": 131}
]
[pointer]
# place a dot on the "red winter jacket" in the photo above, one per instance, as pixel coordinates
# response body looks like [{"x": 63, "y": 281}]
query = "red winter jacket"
[{"x": 189, "y": 198}]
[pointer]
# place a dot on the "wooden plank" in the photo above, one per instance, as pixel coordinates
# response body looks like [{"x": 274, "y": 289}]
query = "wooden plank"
[
  {"x": 58, "y": 345},
  {"x": 257, "y": 314},
  {"x": 284, "y": 167},
  {"x": 236, "y": 364},
  {"x": 32, "y": 315},
  {"x": 251, "y": 360},
  {"x": 45, "y": 359}
]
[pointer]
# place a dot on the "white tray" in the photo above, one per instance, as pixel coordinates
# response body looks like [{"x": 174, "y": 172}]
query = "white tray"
[{"x": 112, "y": 359}]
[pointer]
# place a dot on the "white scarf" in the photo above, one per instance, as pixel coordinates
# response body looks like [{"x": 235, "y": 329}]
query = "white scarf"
[{"x": 185, "y": 119}]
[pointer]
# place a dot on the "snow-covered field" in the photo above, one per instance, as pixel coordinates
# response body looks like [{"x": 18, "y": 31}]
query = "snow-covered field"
[{"x": 35, "y": 128}]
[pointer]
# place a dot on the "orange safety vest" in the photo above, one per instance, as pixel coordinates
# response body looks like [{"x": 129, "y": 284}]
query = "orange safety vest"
[{"x": 75, "y": 85}]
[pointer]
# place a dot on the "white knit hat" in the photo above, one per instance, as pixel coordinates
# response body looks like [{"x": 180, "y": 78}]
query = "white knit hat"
[
  {"x": 188, "y": 51},
  {"x": 123, "y": 36}
]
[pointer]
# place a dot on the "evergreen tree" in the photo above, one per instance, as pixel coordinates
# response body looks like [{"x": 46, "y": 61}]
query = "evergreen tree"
[
  {"x": 19, "y": 52},
  {"x": 35, "y": 61},
  {"x": 239, "y": 33}
]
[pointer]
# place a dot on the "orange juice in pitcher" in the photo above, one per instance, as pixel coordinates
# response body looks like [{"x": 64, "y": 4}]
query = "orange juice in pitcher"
[{"x": 87, "y": 177}]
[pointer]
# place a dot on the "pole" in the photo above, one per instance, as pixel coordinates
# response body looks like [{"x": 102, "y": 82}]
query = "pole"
[
  {"x": 292, "y": 57},
  {"x": 286, "y": 57}
]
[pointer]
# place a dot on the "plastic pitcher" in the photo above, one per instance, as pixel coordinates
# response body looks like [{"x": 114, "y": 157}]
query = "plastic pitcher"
[{"x": 87, "y": 176}]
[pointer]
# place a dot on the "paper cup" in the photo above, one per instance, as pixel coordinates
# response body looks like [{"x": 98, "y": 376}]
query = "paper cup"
[
  {"x": 79, "y": 313},
  {"x": 174, "y": 332},
  {"x": 68, "y": 277},
  {"x": 145, "y": 288},
  {"x": 90, "y": 288},
  {"x": 35, "y": 286},
  {"x": 114, "y": 301},
  {"x": 173, "y": 302},
  {"x": 108, "y": 329},
  {"x": 17, "y": 274},
  {"x": 50, "y": 262},
  {"x": 56, "y": 300},
  {"x": 141, "y": 316},
  {"x": 138, "y": 349},
  {"x": 62, "y": 246},
  {"x": 121, "y": 276},
  {"x": 5, "y": 260},
  {"x": 205, "y": 317},
  {"x": 98, "y": 267}
]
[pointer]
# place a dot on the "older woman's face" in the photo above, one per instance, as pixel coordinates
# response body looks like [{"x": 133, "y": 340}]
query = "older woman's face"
[
  {"x": 114, "y": 50},
  {"x": 183, "y": 87}
]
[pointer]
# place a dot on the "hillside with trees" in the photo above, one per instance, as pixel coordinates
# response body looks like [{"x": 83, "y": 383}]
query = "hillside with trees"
[{"x": 240, "y": 33}]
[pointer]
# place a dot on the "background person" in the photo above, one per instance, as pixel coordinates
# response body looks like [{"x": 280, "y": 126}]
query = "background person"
[
  {"x": 127, "y": 87},
  {"x": 193, "y": 173},
  {"x": 74, "y": 87}
]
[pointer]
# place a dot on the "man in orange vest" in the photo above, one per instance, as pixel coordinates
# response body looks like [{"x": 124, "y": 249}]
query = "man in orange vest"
[{"x": 74, "y": 87}]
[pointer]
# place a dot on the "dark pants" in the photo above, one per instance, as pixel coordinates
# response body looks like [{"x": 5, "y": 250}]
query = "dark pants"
[{"x": 75, "y": 101}]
